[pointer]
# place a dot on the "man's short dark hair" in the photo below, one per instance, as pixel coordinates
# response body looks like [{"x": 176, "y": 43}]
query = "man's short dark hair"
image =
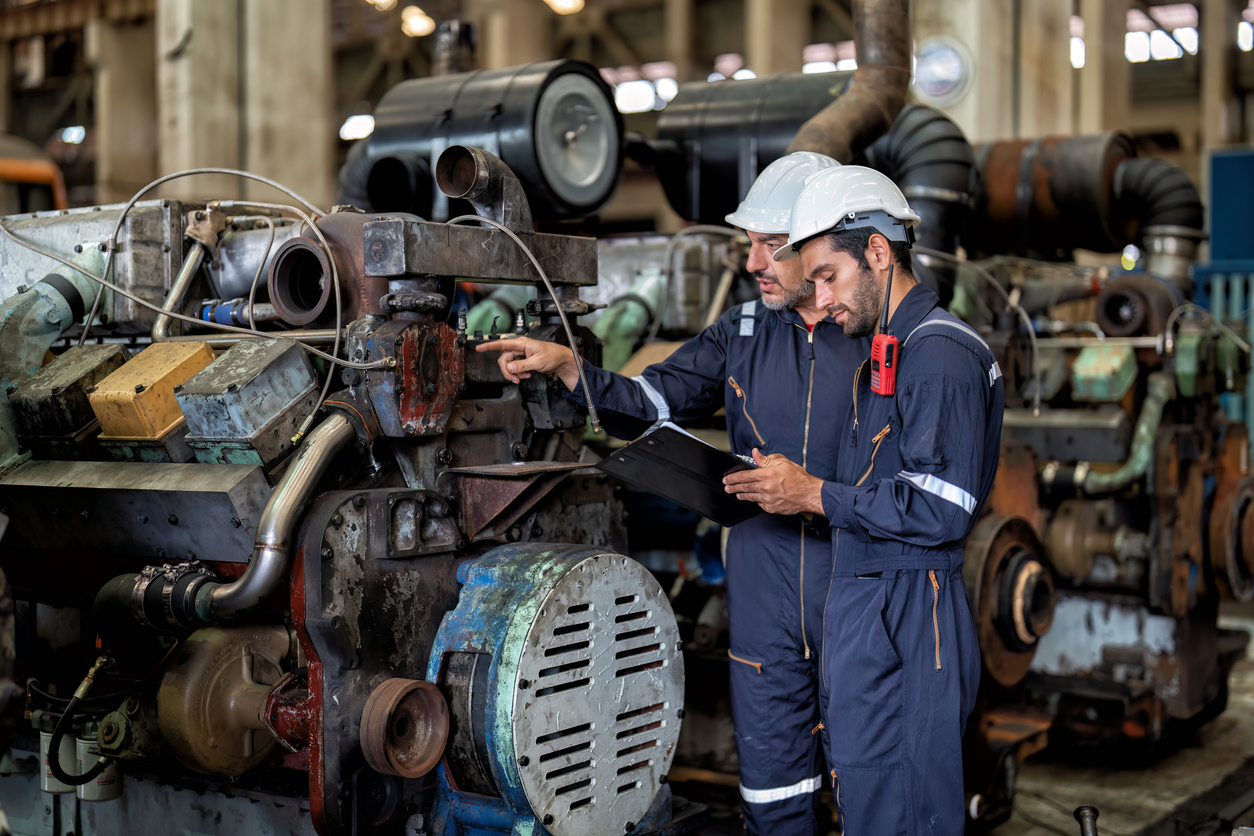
[{"x": 854, "y": 242}]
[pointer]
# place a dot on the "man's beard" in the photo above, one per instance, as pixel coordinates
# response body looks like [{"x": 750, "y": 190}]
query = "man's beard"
[
  {"x": 863, "y": 316},
  {"x": 791, "y": 297}
]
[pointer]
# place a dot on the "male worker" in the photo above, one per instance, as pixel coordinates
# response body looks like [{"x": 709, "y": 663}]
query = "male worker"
[
  {"x": 766, "y": 362},
  {"x": 901, "y": 657}
]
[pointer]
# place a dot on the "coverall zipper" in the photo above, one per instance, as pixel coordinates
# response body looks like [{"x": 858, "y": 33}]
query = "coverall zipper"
[
  {"x": 853, "y": 435},
  {"x": 757, "y": 665},
  {"x": 931, "y": 573},
  {"x": 879, "y": 438},
  {"x": 805, "y": 446},
  {"x": 744, "y": 406}
]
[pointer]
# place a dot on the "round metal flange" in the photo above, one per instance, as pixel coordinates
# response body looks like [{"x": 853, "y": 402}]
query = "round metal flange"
[
  {"x": 1237, "y": 569},
  {"x": 1012, "y": 594},
  {"x": 404, "y": 728}
]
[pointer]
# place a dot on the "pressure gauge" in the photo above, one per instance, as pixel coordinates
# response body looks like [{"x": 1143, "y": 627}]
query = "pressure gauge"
[{"x": 577, "y": 139}]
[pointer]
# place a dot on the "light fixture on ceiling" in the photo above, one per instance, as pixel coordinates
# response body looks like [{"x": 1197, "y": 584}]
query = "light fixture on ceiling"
[
  {"x": 416, "y": 23},
  {"x": 565, "y": 7}
]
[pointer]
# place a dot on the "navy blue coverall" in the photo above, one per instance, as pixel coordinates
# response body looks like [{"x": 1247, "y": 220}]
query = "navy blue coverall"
[
  {"x": 773, "y": 377},
  {"x": 901, "y": 658}
]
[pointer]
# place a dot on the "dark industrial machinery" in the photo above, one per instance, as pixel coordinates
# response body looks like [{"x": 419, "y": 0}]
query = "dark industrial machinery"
[
  {"x": 380, "y": 588},
  {"x": 554, "y": 124}
]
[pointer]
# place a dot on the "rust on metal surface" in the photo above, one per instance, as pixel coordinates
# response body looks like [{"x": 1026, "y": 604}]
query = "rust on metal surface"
[
  {"x": 994, "y": 557},
  {"x": 491, "y": 499},
  {"x": 432, "y": 366},
  {"x": 843, "y": 129},
  {"x": 1016, "y": 492},
  {"x": 286, "y": 714},
  {"x": 404, "y": 727}
]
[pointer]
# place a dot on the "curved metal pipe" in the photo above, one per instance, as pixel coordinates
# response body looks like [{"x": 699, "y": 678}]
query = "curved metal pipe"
[
  {"x": 487, "y": 182},
  {"x": 1161, "y": 391},
  {"x": 881, "y": 34},
  {"x": 268, "y": 566},
  {"x": 161, "y": 328}
]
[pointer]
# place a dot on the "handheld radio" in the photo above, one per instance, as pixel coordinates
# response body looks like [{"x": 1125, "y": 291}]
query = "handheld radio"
[{"x": 885, "y": 352}]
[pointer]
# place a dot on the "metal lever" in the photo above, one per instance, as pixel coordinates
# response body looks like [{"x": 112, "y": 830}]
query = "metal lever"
[{"x": 1087, "y": 817}]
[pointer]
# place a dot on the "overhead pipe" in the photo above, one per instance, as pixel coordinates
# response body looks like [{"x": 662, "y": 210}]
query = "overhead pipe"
[
  {"x": 882, "y": 38},
  {"x": 1164, "y": 213},
  {"x": 929, "y": 158}
]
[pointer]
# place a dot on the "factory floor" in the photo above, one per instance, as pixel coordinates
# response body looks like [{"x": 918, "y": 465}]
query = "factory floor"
[{"x": 1183, "y": 790}]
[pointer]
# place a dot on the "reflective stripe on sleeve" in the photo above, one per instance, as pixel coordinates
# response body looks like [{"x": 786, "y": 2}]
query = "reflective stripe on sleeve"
[
  {"x": 803, "y": 787},
  {"x": 994, "y": 373},
  {"x": 657, "y": 399},
  {"x": 941, "y": 488},
  {"x": 746, "y": 317}
]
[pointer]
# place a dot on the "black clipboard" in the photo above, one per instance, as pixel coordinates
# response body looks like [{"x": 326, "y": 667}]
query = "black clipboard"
[{"x": 671, "y": 463}]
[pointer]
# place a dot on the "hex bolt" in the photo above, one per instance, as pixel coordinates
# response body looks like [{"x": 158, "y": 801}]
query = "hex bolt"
[
  {"x": 235, "y": 523},
  {"x": 22, "y": 288},
  {"x": 524, "y": 760},
  {"x": 139, "y": 387},
  {"x": 444, "y": 455},
  {"x": 520, "y": 451},
  {"x": 173, "y": 519},
  {"x": 103, "y": 247},
  {"x": 548, "y": 818},
  {"x": 178, "y": 388},
  {"x": 680, "y": 714},
  {"x": 430, "y": 388},
  {"x": 664, "y": 779},
  {"x": 78, "y": 248},
  {"x": 52, "y": 316},
  {"x": 359, "y": 501},
  {"x": 337, "y": 520},
  {"x": 631, "y": 825},
  {"x": 524, "y": 684},
  {"x": 327, "y": 553},
  {"x": 109, "y": 732}
]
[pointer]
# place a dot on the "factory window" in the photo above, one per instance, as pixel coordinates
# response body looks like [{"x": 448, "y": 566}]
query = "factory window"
[
  {"x": 826, "y": 58},
  {"x": 1167, "y": 32},
  {"x": 1077, "y": 41}
]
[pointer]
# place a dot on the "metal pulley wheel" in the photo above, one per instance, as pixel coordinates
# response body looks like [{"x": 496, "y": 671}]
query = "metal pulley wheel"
[
  {"x": 1232, "y": 538},
  {"x": 404, "y": 728},
  {"x": 1011, "y": 587}
]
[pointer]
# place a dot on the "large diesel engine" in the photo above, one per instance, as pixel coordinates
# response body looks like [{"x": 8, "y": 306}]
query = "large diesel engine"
[{"x": 314, "y": 551}]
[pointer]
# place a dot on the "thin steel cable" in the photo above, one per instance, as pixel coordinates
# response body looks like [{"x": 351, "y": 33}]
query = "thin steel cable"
[{"x": 570, "y": 335}]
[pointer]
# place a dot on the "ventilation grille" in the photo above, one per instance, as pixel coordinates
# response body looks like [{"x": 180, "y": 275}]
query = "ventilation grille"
[{"x": 599, "y": 685}]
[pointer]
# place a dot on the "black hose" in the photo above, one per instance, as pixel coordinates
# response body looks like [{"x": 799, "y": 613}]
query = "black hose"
[
  {"x": 929, "y": 158},
  {"x": 1152, "y": 192},
  {"x": 54, "y": 752},
  {"x": 353, "y": 176}
]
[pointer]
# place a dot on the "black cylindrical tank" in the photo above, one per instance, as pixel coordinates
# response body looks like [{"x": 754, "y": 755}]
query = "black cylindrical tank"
[
  {"x": 715, "y": 138},
  {"x": 553, "y": 123}
]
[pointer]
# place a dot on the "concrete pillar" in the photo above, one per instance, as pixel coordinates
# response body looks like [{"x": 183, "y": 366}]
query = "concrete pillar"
[
  {"x": 679, "y": 16},
  {"x": 122, "y": 55},
  {"x": 289, "y": 125},
  {"x": 6, "y": 81},
  {"x": 1216, "y": 47},
  {"x": 514, "y": 32},
  {"x": 246, "y": 85},
  {"x": 1105, "y": 87},
  {"x": 198, "y": 102},
  {"x": 1045, "y": 70},
  {"x": 776, "y": 31},
  {"x": 985, "y": 28}
]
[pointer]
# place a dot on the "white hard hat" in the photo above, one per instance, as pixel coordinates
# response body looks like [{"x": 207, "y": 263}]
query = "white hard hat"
[
  {"x": 849, "y": 197},
  {"x": 769, "y": 203}
]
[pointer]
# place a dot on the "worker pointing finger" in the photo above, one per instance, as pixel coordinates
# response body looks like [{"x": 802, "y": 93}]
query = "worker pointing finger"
[{"x": 521, "y": 356}]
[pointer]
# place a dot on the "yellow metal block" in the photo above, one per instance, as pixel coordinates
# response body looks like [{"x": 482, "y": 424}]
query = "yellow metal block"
[{"x": 137, "y": 401}]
